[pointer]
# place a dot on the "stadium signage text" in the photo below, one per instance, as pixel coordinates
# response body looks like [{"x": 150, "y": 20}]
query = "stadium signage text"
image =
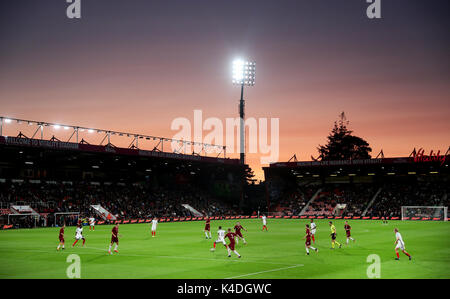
[
  {"x": 421, "y": 157},
  {"x": 60, "y": 145},
  {"x": 40, "y": 143}
]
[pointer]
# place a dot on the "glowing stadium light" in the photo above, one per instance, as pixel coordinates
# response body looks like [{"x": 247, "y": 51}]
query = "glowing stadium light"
[
  {"x": 56, "y": 127},
  {"x": 243, "y": 75},
  {"x": 244, "y": 72},
  {"x": 66, "y": 128},
  {"x": 7, "y": 120},
  {"x": 90, "y": 131}
]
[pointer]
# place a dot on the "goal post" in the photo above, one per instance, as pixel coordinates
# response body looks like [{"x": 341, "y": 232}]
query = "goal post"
[
  {"x": 23, "y": 220},
  {"x": 419, "y": 212}
]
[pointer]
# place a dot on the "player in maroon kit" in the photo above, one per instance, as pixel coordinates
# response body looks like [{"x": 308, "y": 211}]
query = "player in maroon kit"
[
  {"x": 231, "y": 247},
  {"x": 237, "y": 228},
  {"x": 61, "y": 237},
  {"x": 308, "y": 241},
  {"x": 347, "y": 228},
  {"x": 208, "y": 228},
  {"x": 114, "y": 238}
]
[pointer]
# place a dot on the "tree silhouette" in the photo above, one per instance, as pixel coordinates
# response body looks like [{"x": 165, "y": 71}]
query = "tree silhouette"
[{"x": 342, "y": 145}]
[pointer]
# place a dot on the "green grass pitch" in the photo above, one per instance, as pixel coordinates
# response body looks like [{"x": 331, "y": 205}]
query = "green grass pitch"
[{"x": 180, "y": 250}]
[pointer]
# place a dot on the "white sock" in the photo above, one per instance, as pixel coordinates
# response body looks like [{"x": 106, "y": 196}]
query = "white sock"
[
  {"x": 206, "y": 234},
  {"x": 229, "y": 251},
  {"x": 109, "y": 247},
  {"x": 243, "y": 240},
  {"x": 307, "y": 250},
  {"x": 115, "y": 248},
  {"x": 58, "y": 246},
  {"x": 312, "y": 248},
  {"x": 236, "y": 253},
  {"x": 63, "y": 246},
  {"x": 347, "y": 240},
  {"x": 237, "y": 241}
]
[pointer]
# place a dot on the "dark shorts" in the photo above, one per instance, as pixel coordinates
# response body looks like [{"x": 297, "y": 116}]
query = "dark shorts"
[
  {"x": 61, "y": 239},
  {"x": 348, "y": 234},
  {"x": 308, "y": 243},
  {"x": 231, "y": 246},
  {"x": 333, "y": 236},
  {"x": 114, "y": 240},
  {"x": 207, "y": 227},
  {"x": 239, "y": 234}
]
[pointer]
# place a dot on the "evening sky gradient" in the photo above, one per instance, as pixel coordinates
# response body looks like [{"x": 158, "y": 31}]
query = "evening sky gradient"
[{"x": 136, "y": 65}]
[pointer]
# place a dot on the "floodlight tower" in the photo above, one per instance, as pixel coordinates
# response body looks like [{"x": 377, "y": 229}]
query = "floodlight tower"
[{"x": 244, "y": 75}]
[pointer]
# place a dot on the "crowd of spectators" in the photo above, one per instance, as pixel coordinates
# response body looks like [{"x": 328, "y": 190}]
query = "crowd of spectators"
[
  {"x": 355, "y": 197},
  {"x": 125, "y": 201},
  {"x": 294, "y": 202},
  {"x": 394, "y": 196},
  {"x": 388, "y": 202}
]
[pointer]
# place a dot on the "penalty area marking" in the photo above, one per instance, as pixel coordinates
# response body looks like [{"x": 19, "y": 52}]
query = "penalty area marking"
[{"x": 260, "y": 272}]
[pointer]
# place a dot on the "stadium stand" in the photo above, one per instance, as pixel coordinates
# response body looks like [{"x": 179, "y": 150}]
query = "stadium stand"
[
  {"x": 393, "y": 196},
  {"x": 123, "y": 201},
  {"x": 372, "y": 187},
  {"x": 61, "y": 177},
  {"x": 355, "y": 197}
]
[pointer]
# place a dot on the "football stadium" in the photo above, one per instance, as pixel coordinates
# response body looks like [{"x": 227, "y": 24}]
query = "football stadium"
[
  {"x": 46, "y": 184},
  {"x": 210, "y": 141}
]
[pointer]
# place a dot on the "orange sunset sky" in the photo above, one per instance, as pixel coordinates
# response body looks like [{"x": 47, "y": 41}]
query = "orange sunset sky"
[{"x": 137, "y": 65}]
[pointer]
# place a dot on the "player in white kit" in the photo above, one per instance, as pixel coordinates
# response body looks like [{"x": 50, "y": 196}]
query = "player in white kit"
[
  {"x": 220, "y": 238},
  {"x": 79, "y": 235},
  {"x": 313, "y": 231},
  {"x": 154, "y": 225},
  {"x": 264, "y": 221},
  {"x": 92, "y": 223},
  {"x": 399, "y": 245}
]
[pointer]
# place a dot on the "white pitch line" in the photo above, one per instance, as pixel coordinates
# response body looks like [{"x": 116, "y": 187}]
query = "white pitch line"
[{"x": 273, "y": 270}]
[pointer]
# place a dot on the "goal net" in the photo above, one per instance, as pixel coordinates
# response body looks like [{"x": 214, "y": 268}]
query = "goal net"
[
  {"x": 25, "y": 220},
  {"x": 420, "y": 212}
]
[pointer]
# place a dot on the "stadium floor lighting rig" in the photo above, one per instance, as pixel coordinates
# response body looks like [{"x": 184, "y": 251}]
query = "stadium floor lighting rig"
[
  {"x": 243, "y": 75},
  {"x": 181, "y": 144}
]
